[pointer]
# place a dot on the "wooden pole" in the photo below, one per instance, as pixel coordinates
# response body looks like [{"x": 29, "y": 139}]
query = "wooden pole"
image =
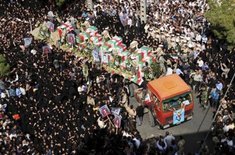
[
  {"x": 110, "y": 121},
  {"x": 30, "y": 24}
]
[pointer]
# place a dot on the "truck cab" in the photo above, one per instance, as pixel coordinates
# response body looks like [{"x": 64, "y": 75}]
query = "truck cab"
[{"x": 171, "y": 99}]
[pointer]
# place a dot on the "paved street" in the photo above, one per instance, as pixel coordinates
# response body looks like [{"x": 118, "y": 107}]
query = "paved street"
[{"x": 193, "y": 130}]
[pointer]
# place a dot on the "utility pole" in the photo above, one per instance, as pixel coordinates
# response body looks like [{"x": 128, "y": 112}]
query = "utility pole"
[
  {"x": 143, "y": 10},
  {"x": 89, "y": 4}
]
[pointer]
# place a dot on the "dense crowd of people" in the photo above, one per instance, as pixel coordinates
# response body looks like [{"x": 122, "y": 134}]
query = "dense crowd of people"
[
  {"x": 173, "y": 54},
  {"x": 223, "y": 128},
  {"x": 50, "y": 102}
]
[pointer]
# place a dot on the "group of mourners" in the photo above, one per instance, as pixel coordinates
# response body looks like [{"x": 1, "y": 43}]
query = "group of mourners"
[{"x": 50, "y": 103}]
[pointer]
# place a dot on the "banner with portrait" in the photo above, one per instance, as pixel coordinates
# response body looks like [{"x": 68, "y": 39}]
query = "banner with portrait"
[
  {"x": 46, "y": 49},
  {"x": 70, "y": 38},
  {"x": 115, "y": 111},
  {"x": 178, "y": 116},
  {"x": 50, "y": 26},
  {"x": 104, "y": 111},
  {"x": 117, "y": 121},
  {"x": 95, "y": 54},
  {"x": 27, "y": 41}
]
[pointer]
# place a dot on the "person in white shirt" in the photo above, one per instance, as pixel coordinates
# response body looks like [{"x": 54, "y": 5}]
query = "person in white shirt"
[
  {"x": 161, "y": 145},
  {"x": 204, "y": 39},
  {"x": 228, "y": 126},
  {"x": 200, "y": 62},
  {"x": 126, "y": 134},
  {"x": 219, "y": 85},
  {"x": 169, "y": 71},
  {"x": 198, "y": 38},
  {"x": 169, "y": 138},
  {"x": 179, "y": 71},
  {"x": 101, "y": 123},
  {"x": 3, "y": 95},
  {"x": 225, "y": 70},
  {"x": 22, "y": 90},
  {"x": 195, "y": 54},
  {"x": 3, "y": 107},
  {"x": 197, "y": 79},
  {"x": 146, "y": 27},
  {"x": 129, "y": 22},
  {"x": 137, "y": 142}
]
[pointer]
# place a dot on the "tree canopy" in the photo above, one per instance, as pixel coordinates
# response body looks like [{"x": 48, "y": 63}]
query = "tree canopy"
[
  {"x": 60, "y": 2},
  {"x": 221, "y": 15}
]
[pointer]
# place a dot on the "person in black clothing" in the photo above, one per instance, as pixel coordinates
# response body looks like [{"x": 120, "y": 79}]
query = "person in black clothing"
[{"x": 140, "y": 114}]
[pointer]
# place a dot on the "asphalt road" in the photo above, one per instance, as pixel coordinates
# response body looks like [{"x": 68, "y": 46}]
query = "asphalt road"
[{"x": 193, "y": 130}]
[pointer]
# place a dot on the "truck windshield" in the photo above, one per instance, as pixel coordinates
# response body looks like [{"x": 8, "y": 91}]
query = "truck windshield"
[{"x": 177, "y": 102}]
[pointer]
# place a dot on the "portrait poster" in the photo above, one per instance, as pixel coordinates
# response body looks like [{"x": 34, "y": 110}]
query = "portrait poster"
[
  {"x": 104, "y": 111},
  {"x": 117, "y": 121},
  {"x": 178, "y": 116}
]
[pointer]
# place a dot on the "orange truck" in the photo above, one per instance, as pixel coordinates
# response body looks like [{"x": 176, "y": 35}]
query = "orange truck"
[{"x": 171, "y": 100}]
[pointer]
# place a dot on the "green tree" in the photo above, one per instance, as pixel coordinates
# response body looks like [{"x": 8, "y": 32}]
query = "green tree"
[
  {"x": 156, "y": 69},
  {"x": 221, "y": 15},
  {"x": 60, "y": 2},
  {"x": 4, "y": 67}
]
